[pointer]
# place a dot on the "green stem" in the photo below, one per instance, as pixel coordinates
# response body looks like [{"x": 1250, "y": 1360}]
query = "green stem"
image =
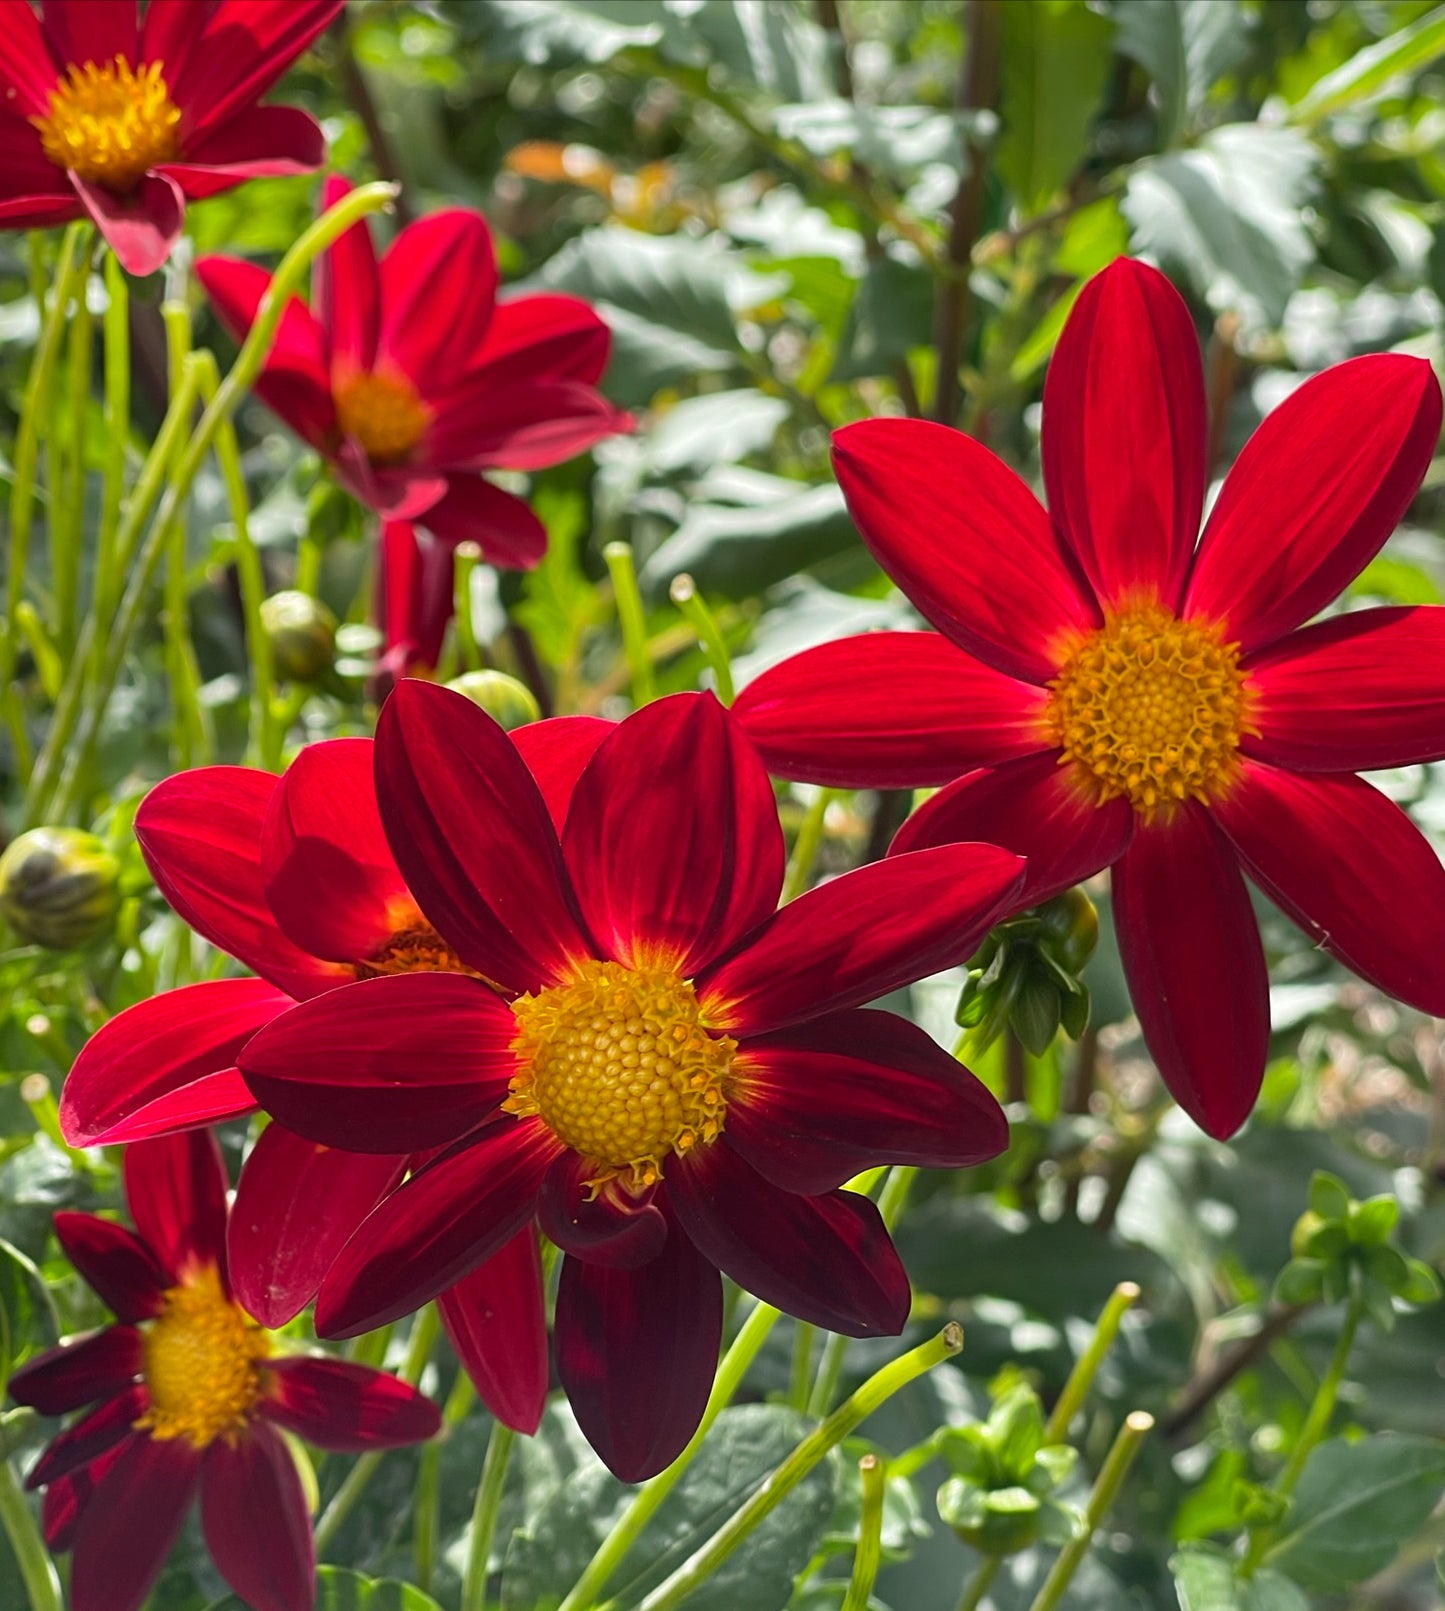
[
  {"x": 877, "y": 1390},
  {"x": 978, "y": 1585},
  {"x": 801, "y": 1379},
  {"x": 37, "y": 1571},
  {"x": 869, "y": 1556},
  {"x": 686, "y": 597},
  {"x": 484, "y": 1516},
  {"x": 116, "y": 346},
  {"x": 67, "y": 499},
  {"x": 629, "y": 1525},
  {"x": 632, "y": 620},
  {"x": 426, "y": 1532},
  {"x": 467, "y": 557},
  {"x": 805, "y": 846},
  {"x": 1121, "y": 1300},
  {"x": 1135, "y": 1429}
]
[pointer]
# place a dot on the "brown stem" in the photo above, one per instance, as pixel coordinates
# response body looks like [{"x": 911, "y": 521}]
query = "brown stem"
[
  {"x": 831, "y": 22},
  {"x": 358, "y": 92},
  {"x": 1206, "y": 1386}
]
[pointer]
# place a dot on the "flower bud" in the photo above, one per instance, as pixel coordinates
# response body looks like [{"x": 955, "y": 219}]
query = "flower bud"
[
  {"x": 302, "y": 635},
  {"x": 59, "y": 887},
  {"x": 508, "y": 702}
]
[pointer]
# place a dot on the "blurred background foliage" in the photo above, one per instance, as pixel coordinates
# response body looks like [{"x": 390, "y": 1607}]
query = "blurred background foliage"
[{"x": 794, "y": 215}]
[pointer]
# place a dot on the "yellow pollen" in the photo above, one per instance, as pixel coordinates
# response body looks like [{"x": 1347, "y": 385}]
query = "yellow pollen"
[
  {"x": 1152, "y": 708},
  {"x": 619, "y": 1066},
  {"x": 202, "y": 1364},
  {"x": 419, "y": 949},
  {"x": 111, "y": 124},
  {"x": 383, "y": 413}
]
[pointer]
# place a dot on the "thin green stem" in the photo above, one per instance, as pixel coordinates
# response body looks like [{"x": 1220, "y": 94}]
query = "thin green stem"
[
  {"x": 1076, "y": 1389},
  {"x": 978, "y": 1585},
  {"x": 426, "y": 1529},
  {"x": 629, "y": 1525},
  {"x": 67, "y": 495},
  {"x": 484, "y": 1516},
  {"x": 632, "y": 620},
  {"x": 116, "y": 347},
  {"x": 467, "y": 557},
  {"x": 37, "y": 1571},
  {"x": 805, "y": 846},
  {"x": 686, "y": 597},
  {"x": 802, "y": 1376},
  {"x": 869, "y": 1555}
]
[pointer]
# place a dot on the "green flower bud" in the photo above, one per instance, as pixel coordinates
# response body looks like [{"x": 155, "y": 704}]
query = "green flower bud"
[
  {"x": 508, "y": 702},
  {"x": 1071, "y": 928},
  {"x": 997, "y": 1521},
  {"x": 59, "y": 887},
  {"x": 302, "y": 635}
]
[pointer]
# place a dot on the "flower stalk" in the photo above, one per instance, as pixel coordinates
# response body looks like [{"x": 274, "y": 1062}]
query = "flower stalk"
[
  {"x": 685, "y": 596},
  {"x": 484, "y": 1516},
  {"x": 869, "y": 1555},
  {"x": 1076, "y": 1389},
  {"x": 632, "y": 620}
]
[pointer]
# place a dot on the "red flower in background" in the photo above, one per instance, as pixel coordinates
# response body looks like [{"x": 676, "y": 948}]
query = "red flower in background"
[
  {"x": 415, "y": 597},
  {"x": 412, "y": 379},
  {"x": 1116, "y": 696},
  {"x": 189, "y": 1397},
  {"x": 664, "y": 1069},
  {"x": 293, "y": 877},
  {"x": 103, "y": 113}
]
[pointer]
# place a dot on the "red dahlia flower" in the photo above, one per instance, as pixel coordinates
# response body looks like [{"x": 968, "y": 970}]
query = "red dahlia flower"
[
  {"x": 189, "y": 1398},
  {"x": 668, "y": 1072},
  {"x": 124, "y": 119},
  {"x": 1115, "y": 696},
  {"x": 411, "y": 378},
  {"x": 293, "y": 877}
]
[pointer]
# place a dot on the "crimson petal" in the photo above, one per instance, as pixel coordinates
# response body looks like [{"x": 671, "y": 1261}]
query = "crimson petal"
[
  {"x": 607, "y": 1226},
  {"x": 78, "y": 32},
  {"x": 505, "y": 528},
  {"x": 544, "y": 335},
  {"x": 438, "y": 288},
  {"x": 98, "y": 1366},
  {"x": 346, "y": 289},
  {"x": 338, "y": 1405},
  {"x": 66, "y": 1498},
  {"x": 262, "y": 142},
  {"x": 556, "y": 751},
  {"x": 496, "y": 1318},
  {"x": 141, "y": 227},
  {"x": 528, "y": 426},
  {"x": 256, "y": 1521},
  {"x": 175, "y": 1187},
  {"x": 95, "y": 1435},
  {"x": 115, "y": 1263},
  {"x": 130, "y": 1522},
  {"x": 26, "y": 66}
]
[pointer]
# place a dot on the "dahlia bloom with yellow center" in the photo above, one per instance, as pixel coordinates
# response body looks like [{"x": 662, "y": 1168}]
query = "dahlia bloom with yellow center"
[
  {"x": 190, "y": 1402},
  {"x": 1103, "y": 692}
]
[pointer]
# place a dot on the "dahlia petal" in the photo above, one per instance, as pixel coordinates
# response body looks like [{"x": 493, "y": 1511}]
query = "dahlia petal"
[
  {"x": 261, "y": 142},
  {"x": 101, "y": 1365},
  {"x": 335, "y": 1404},
  {"x": 165, "y": 1063},
  {"x": 473, "y": 838},
  {"x": 438, "y": 288},
  {"x": 78, "y": 31},
  {"x": 66, "y": 1497},
  {"x": 496, "y": 1318},
  {"x": 114, "y": 1263},
  {"x": 130, "y": 1522},
  {"x": 450, "y": 1218},
  {"x": 256, "y": 1521},
  {"x": 175, "y": 1188},
  {"x": 672, "y": 837},
  {"x": 26, "y": 65},
  {"x": 857, "y": 937},
  {"x": 1032, "y": 807},
  {"x": 529, "y": 426},
  {"x": 398, "y": 492},
  {"x": 346, "y": 289},
  {"x": 327, "y": 871},
  {"x": 28, "y": 178},
  {"x": 505, "y": 528},
  {"x": 1195, "y": 967},
  {"x": 1355, "y": 693},
  {"x": 395, "y": 1064},
  {"x": 811, "y": 1107},
  {"x": 415, "y": 587},
  {"x": 1124, "y": 435},
  {"x": 1328, "y": 850},
  {"x": 966, "y": 541},
  {"x": 556, "y": 752},
  {"x": 609, "y": 1227},
  {"x": 636, "y": 1351},
  {"x": 201, "y": 836},
  {"x": 38, "y": 212},
  {"x": 96, "y": 1434},
  {"x": 888, "y": 710},
  {"x": 559, "y": 337},
  {"x": 1318, "y": 488},
  {"x": 297, "y": 1204},
  {"x": 141, "y": 227},
  {"x": 826, "y": 1259}
]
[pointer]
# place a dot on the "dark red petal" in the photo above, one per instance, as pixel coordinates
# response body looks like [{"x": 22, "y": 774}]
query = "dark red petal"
[
  {"x": 448, "y": 1219},
  {"x": 1318, "y": 488},
  {"x": 438, "y": 288},
  {"x": 88, "y": 1439},
  {"x": 142, "y": 227},
  {"x": 400, "y": 1063},
  {"x": 609, "y": 1227},
  {"x": 1351, "y": 869},
  {"x": 297, "y": 1204},
  {"x": 327, "y": 870},
  {"x": 115, "y": 1263},
  {"x": 201, "y": 835},
  {"x": 415, "y": 588},
  {"x": 66, "y": 1498},
  {"x": 967, "y": 541},
  {"x": 130, "y": 1522},
  {"x": 1195, "y": 967},
  {"x": 556, "y": 751},
  {"x": 399, "y": 492},
  {"x": 472, "y": 510},
  {"x": 256, "y": 1521},
  {"x": 813, "y": 1106},
  {"x": 636, "y": 1352},
  {"x": 1124, "y": 435},
  {"x": 859, "y": 936},
  {"x": 96, "y": 1366},
  {"x": 79, "y": 31},
  {"x": 474, "y": 839},
  {"x": 551, "y": 335},
  {"x": 338, "y": 1405},
  {"x": 175, "y": 1187},
  {"x": 164, "y": 1064},
  {"x": 1356, "y": 693},
  {"x": 496, "y": 1318},
  {"x": 888, "y": 710},
  {"x": 26, "y": 65},
  {"x": 529, "y": 426},
  {"x": 263, "y": 142},
  {"x": 346, "y": 289},
  {"x": 672, "y": 838},
  {"x": 1032, "y": 807},
  {"x": 825, "y": 1259}
]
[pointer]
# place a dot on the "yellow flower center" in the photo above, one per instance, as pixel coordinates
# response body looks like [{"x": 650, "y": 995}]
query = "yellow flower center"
[
  {"x": 417, "y": 949},
  {"x": 111, "y": 124},
  {"x": 1152, "y": 708},
  {"x": 620, "y": 1067},
  {"x": 383, "y": 413},
  {"x": 202, "y": 1359}
]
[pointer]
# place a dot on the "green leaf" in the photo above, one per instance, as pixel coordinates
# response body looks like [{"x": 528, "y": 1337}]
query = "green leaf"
[
  {"x": 565, "y": 32},
  {"x": 1205, "y": 1580},
  {"x": 1371, "y": 70},
  {"x": 1184, "y": 46},
  {"x": 1054, "y": 61},
  {"x": 891, "y": 314},
  {"x": 28, "y": 1321},
  {"x": 339, "y": 1589},
  {"x": 1355, "y": 1505},
  {"x": 717, "y": 428},
  {"x": 1328, "y": 1197},
  {"x": 1373, "y": 1221},
  {"x": 898, "y": 141}
]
